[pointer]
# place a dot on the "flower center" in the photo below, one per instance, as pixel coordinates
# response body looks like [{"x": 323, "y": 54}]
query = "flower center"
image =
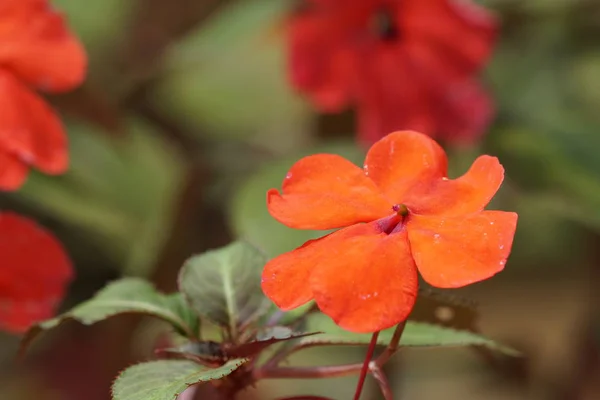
[
  {"x": 384, "y": 25},
  {"x": 400, "y": 209},
  {"x": 395, "y": 222}
]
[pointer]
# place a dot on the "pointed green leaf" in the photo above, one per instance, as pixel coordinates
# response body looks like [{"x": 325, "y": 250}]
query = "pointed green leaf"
[
  {"x": 223, "y": 285},
  {"x": 416, "y": 334},
  {"x": 166, "y": 379},
  {"x": 265, "y": 338},
  {"x": 129, "y": 295},
  {"x": 205, "y": 352}
]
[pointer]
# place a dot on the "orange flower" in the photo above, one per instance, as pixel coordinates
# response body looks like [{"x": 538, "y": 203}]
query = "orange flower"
[
  {"x": 399, "y": 213},
  {"x": 34, "y": 273},
  {"x": 36, "y": 51}
]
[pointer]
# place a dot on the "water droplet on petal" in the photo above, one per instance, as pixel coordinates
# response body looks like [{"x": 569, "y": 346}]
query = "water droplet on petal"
[
  {"x": 288, "y": 175},
  {"x": 501, "y": 247},
  {"x": 491, "y": 222}
]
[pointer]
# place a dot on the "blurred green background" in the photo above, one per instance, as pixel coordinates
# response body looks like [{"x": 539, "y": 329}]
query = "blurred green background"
[{"x": 186, "y": 120}]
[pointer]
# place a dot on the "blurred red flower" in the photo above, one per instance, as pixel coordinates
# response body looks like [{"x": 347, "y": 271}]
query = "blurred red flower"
[
  {"x": 399, "y": 213},
  {"x": 37, "y": 51},
  {"x": 404, "y": 64},
  {"x": 34, "y": 273}
]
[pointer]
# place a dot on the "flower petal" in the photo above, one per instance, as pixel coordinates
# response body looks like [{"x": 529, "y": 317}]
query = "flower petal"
[
  {"x": 316, "y": 66},
  {"x": 34, "y": 275},
  {"x": 466, "y": 195},
  {"x": 405, "y": 163},
  {"x": 464, "y": 110},
  {"x": 12, "y": 172},
  {"x": 461, "y": 32},
  {"x": 285, "y": 278},
  {"x": 29, "y": 128},
  {"x": 326, "y": 191},
  {"x": 366, "y": 281},
  {"x": 452, "y": 252},
  {"x": 38, "y": 47},
  {"x": 390, "y": 95}
]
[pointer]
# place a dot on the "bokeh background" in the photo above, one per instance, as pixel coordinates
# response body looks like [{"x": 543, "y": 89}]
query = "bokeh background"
[{"x": 185, "y": 121}]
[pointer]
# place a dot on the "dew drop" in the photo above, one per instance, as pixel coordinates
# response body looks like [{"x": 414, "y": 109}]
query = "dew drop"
[
  {"x": 491, "y": 222},
  {"x": 288, "y": 175},
  {"x": 501, "y": 247},
  {"x": 444, "y": 178}
]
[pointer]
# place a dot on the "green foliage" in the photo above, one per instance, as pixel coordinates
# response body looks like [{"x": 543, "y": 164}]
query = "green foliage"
[
  {"x": 127, "y": 296},
  {"x": 119, "y": 193},
  {"x": 204, "y": 85},
  {"x": 416, "y": 334},
  {"x": 223, "y": 285},
  {"x": 166, "y": 379}
]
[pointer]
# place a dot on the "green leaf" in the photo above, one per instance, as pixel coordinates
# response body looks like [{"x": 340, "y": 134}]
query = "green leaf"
[
  {"x": 416, "y": 334},
  {"x": 203, "y": 86},
  {"x": 265, "y": 338},
  {"x": 119, "y": 193},
  {"x": 129, "y": 295},
  {"x": 223, "y": 285},
  {"x": 204, "y": 352},
  {"x": 166, "y": 379}
]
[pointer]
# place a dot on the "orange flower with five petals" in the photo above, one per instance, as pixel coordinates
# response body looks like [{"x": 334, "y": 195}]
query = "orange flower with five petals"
[{"x": 398, "y": 214}]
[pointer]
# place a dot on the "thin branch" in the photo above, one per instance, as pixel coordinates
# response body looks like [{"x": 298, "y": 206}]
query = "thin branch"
[
  {"x": 365, "y": 368},
  {"x": 381, "y": 379},
  {"x": 392, "y": 347}
]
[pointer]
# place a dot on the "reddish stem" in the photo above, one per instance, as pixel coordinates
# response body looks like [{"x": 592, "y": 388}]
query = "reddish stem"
[{"x": 365, "y": 367}]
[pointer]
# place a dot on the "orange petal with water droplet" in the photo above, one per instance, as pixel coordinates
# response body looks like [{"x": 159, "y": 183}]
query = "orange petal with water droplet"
[
  {"x": 326, "y": 191},
  {"x": 452, "y": 252}
]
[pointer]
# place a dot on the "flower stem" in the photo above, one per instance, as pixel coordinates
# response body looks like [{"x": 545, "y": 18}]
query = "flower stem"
[{"x": 365, "y": 366}]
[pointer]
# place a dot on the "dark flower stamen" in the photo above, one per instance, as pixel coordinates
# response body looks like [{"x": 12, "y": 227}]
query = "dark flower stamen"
[{"x": 384, "y": 25}]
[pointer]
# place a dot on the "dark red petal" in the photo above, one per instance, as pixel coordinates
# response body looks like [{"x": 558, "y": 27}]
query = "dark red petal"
[
  {"x": 326, "y": 191},
  {"x": 34, "y": 273},
  {"x": 460, "y": 34},
  {"x": 463, "y": 110},
  {"x": 405, "y": 163},
  {"x": 390, "y": 94},
  {"x": 452, "y": 252},
  {"x": 13, "y": 172},
  {"x": 466, "y": 195},
  {"x": 316, "y": 66},
  {"x": 366, "y": 282},
  {"x": 29, "y": 128},
  {"x": 38, "y": 47}
]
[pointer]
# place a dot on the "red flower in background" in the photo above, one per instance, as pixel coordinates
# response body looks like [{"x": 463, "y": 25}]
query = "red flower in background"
[
  {"x": 37, "y": 51},
  {"x": 404, "y": 64},
  {"x": 399, "y": 213},
  {"x": 34, "y": 272}
]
